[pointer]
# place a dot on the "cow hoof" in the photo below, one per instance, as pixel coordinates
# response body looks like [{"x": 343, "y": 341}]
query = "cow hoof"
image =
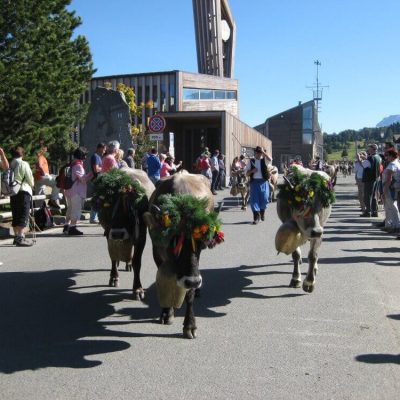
[
  {"x": 166, "y": 319},
  {"x": 244, "y": 208},
  {"x": 138, "y": 295},
  {"x": 189, "y": 333},
  {"x": 128, "y": 267},
  {"x": 308, "y": 287},
  {"x": 295, "y": 283},
  {"x": 113, "y": 282}
]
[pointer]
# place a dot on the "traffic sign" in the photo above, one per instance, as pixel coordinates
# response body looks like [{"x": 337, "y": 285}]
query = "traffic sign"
[
  {"x": 158, "y": 137},
  {"x": 157, "y": 124}
]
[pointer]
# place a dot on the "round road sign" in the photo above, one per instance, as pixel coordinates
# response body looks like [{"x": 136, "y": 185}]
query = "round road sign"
[{"x": 157, "y": 123}]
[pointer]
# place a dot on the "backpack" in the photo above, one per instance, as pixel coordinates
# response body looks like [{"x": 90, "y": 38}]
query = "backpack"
[
  {"x": 9, "y": 186},
  {"x": 64, "y": 179},
  {"x": 43, "y": 217}
]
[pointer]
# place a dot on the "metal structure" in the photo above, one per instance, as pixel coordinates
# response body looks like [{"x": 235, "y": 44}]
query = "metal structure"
[
  {"x": 317, "y": 88},
  {"x": 215, "y": 37}
]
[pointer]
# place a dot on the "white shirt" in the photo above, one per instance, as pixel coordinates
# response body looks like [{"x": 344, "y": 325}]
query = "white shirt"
[
  {"x": 258, "y": 174},
  {"x": 358, "y": 170}
]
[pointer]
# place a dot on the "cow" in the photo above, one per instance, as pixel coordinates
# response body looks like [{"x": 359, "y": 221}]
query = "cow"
[
  {"x": 240, "y": 184},
  {"x": 304, "y": 210},
  {"x": 273, "y": 181},
  {"x": 125, "y": 230},
  {"x": 332, "y": 171},
  {"x": 178, "y": 276}
]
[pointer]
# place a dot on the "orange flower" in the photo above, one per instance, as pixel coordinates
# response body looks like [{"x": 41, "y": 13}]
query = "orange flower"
[{"x": 204, "y": 228}]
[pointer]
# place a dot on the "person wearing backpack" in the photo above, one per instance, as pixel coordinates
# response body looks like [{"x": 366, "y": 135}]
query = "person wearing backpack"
[
  {"x": 21, "y": 202},
  {"x": 76, "y": 195}
]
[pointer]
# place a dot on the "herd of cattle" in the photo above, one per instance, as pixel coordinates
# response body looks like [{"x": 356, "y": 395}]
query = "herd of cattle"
[{"x": 178, "y": 277}]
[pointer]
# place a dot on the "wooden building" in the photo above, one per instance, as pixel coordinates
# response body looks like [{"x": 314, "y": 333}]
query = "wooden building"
[{"x": 294, "y": 133}]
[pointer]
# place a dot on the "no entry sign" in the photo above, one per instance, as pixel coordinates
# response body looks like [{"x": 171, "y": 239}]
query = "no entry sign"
[{"x": 157, "y": 124}]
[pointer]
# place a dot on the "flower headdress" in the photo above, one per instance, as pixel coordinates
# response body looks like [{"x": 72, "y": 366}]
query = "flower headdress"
[
  {"x": 109, "y": 185},
  {"x": 300, "y": 190},
  {"x": 185, "y": 216}
]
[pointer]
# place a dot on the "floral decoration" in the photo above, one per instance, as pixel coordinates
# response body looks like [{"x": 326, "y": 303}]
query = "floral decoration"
[{"x": 300, "y": 190}]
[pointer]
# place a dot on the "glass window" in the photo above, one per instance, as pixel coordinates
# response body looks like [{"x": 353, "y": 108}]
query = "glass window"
[
  {"x": 190, "y": 94},
  {"x": 307, "y": 117},
  {"x": 231, "y": 94},
  {"x": 307, "y": 137},
  {"x": 206, "y": 94},
  {"x": 219, "y": 94}
]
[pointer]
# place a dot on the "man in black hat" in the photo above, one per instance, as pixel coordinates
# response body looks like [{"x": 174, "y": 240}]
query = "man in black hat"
[{"x": 259, "y": 188}]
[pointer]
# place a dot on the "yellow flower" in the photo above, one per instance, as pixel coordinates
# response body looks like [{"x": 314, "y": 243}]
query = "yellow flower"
[
  {"x": 166, "y": 220},
  {"x": 311, "y": 193},
  {"x": 298, "y": 198},
  {"x": 297, "y": 188}
]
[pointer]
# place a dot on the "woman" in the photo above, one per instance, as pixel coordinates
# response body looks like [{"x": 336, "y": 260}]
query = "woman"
[
  {"x": 119, "y": 158},
  {"x": 76, "y": 196},
  {"x": 206, "y": 166},
  {"x": 392, "y": 217},
  {"x": 21, "y": 202}
]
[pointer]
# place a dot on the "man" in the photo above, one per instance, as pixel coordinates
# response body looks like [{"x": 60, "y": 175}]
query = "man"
[
  {"x": 215, "y": 171},
  {"x": 370, "y": 179},
  {"x": 96, "y": 164},
  {"x": 43, "y": 178},
  {"x": 259, "y": 187},
  {"x": 318, "y": 165},
  {"x": 153, "y": 166},
  {"x": 129, "y": 159}
]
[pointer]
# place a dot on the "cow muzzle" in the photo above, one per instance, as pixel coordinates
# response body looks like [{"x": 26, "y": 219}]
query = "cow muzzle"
[
  {"x": 190, "y": 282},
  {"x": 118, "y": 234}
]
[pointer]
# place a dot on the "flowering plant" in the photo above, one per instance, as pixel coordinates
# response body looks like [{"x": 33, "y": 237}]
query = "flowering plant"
[
  {"x": 185, "y": 216},
  {"x": 300, "y": 190}
]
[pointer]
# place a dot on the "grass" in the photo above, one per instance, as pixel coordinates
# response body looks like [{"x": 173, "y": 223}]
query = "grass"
[{"x": 351, "y": 150}]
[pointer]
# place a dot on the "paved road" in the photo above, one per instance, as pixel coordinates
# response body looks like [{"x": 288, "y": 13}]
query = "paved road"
[{"x": 64, "y": 334}]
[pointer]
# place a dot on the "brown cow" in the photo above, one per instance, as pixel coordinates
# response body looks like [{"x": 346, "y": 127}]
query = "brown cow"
[
  {"x": 273, "y": 181},
  {"x": 302, "y": 224},
  {"x": 178, "y": 276},
  {"x": 240, "y": 184}
]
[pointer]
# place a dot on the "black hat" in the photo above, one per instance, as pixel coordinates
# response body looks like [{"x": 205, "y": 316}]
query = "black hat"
[{"x": 258, "y": 149}]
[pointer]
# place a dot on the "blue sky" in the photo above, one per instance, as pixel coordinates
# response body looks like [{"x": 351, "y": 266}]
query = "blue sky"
[{"x": 356, "y": 41}]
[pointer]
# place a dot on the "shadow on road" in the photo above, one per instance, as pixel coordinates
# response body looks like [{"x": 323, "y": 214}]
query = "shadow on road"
[{"x": 43, "y": 322}]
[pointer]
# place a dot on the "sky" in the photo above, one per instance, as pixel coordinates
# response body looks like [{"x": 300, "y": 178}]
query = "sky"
[{"x": 278, "y": 41}]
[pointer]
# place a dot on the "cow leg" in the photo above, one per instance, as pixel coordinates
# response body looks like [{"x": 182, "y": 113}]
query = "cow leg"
[
  {"x": 246, "y": 199},
  {"x": 189, "y": 323},
  {"x": 296, "y": 276},
  {"x": 137, "y": 290},
  {"x": 309, "y": 282},
  {"x": 242, "y": 195},
  {"x": 114, "y": 277},
  {"x": 128, "y": 266},
  {"x": 167, "y": 316}
]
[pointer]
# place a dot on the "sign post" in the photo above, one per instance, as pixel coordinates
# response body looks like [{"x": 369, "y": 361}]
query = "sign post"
[{"x": 157, "y": 125}]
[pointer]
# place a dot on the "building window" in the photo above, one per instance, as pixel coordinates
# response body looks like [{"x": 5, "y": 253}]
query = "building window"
[
  {"x": 191, "y": 94},
  {"x": 206, "y": 94},
  {"x": 231, "y": 94},
  {"x": 307, "y": 137},
  {"x": 307, "y": 118},
  {"x": 219, "y": 94}
]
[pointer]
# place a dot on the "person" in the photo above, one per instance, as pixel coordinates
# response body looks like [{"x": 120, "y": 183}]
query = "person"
[
  {"x": 76, "y": 196},
  {"x": 205, "y": 167},
  {"x": 3, "y": 166},
  {"x": 119, "y": 158},
  {"x": 43, "y": 178},
  {"x": 221, "y": 176},
  {"x": 153, "y": 166},
  {"x": 96, "y": 163},
  {"x": 370, "y": 179},
  {"x": 21, "y": 202},
  {"x": 358, "y": 173},
  {"x": 109, "y": 160},
  {"x": 256, "y": 169},
  {"x": 392, "y": 217},
  {"x": 242, "y": 161},
  {"x": 167, "y": 165},
  {"x": 170, "y": 160},
  {"x": 317, "y": 165},
  {"x": 215, "y": 171},
  {"x": 297, "y": 161},
  {"x": 130, "y": 158},
  {"x": 145, "y": 159}
]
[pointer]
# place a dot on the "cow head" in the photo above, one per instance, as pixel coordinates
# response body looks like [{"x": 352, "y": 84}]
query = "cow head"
[
  {"x": 180, "y": 234},
  {"x": 239, "y": 179}
]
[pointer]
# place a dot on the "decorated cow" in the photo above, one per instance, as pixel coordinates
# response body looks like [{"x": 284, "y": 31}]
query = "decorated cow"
[
  {"x": 121, "y": 197},
  {"x": 182, "y": 223},
  {"x": 304, "y": 205},
  {"x": 240, "y": 185},
  {"x": 273, "y": 181}
]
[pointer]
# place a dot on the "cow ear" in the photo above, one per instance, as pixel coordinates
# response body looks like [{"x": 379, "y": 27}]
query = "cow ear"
[{"x": 149, "y": 220}]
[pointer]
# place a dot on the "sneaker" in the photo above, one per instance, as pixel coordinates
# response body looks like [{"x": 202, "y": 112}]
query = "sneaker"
[
  {"x": 73, "y": 231},
  {"x": 365, "y": 215},
  {"x": 374, "y": 214},
  {"x": 23, "y": 242}
]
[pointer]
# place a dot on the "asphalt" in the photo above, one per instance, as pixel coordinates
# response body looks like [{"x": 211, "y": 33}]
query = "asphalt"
[{"x": 64, "y": 334}]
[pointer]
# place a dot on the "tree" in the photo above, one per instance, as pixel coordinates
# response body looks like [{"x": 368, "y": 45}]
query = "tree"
[
  {"x": 345, "y": 152},
  {"x": 43, "y": 73}
]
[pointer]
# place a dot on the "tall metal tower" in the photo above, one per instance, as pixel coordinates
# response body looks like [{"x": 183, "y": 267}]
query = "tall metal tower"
[
  {"x": 317, "y": 88},
  {"x": 215, "y": 37}
]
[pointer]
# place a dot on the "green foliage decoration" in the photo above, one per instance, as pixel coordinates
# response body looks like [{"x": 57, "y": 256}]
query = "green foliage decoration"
[
  {"x": 303, "y": 189},
  {"x": 109, "y": 185},
  {"x": 185, "y": 216}
]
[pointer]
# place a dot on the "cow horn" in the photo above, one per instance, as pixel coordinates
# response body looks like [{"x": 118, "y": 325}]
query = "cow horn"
[
  {"x": 156, "y": 208},
  {"x": 288, "y": 182}
]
